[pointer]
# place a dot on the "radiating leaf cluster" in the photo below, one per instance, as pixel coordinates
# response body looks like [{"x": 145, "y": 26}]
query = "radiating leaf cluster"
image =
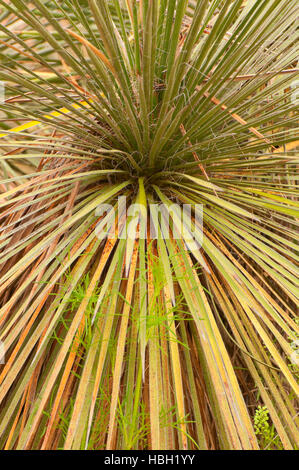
[{"x": 133, "y": 343}]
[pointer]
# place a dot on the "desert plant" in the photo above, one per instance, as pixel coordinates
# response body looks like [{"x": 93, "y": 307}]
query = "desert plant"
[{"x": 160, "y": 101}]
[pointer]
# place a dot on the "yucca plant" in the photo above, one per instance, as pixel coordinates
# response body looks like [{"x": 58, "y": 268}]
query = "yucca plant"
[{"x": 142, "y": 342}]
